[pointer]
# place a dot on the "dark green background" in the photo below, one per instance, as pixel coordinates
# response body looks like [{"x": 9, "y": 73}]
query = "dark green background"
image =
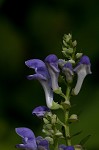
[{"x": 34, "y": 29}]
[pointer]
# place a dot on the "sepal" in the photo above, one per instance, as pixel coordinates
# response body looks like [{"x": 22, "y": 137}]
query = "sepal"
[
  {"x": 66, "y": 104},
  {"x": 55, "y": 106}
]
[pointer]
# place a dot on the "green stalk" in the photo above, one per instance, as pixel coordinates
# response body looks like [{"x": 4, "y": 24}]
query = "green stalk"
[
  {"x": 55, "y": 144},
  {"x": 55, "y": 139},
  {"x": 66, "y": 113}
]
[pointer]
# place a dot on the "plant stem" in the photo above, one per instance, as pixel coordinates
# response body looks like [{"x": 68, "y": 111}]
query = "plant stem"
[
  {"x": 66, "y": 113},
  {"x": 55, "y": 139},
  {"x": 67, "y": 131},
  {"x": 56, "y": 144}
]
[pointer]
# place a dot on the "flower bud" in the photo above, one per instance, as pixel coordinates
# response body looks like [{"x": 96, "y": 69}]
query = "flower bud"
[
  {"x": 74, "y": 43},
  {"x": 49, "y": 139},
  {"x": 45, "y": 121},
  {"x": 73, "y": 118},
  {"x": 58, "y": 134},
  {"x": 79, "y": 55}
]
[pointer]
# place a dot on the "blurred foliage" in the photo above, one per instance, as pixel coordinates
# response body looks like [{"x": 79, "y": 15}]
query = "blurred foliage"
[{"x": 34, "y": 29}]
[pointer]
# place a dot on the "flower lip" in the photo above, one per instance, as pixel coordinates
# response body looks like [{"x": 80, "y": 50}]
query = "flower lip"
[
  {"x": 39, "y": 67},
  {"x": 36, "y": 76},
  {"x": 34, "y": 63},
  {"x": 28, "y": 138},
  {"x": 25, "y": 132},
  {"x": 40, "y": 111}
]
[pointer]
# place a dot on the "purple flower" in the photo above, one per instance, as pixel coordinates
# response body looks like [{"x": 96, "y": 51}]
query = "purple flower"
[
  {"x": 42, "y": 143},
  {"x": 52, "y": 64},
  {"x": 68, "y": 71},
  {"x": 29, "y": 140},
  {"x": 63, "y": 147},
  {"x": 40, "y": 111},
  {"x": 42, "y": 75},
  {"x": 83, "y": 68}
]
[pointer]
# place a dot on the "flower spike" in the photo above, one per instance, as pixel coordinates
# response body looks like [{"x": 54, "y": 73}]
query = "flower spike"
[
  {"x": 83, "y": 68},
  {"x": 52, "y": 64}
]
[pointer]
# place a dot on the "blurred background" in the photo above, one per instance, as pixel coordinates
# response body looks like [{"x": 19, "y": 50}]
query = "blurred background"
[{"x": 34, "y": 29}]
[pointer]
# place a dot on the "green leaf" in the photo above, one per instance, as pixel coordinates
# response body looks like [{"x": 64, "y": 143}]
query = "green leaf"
[
  {"x": 76, "y": 134},
  {"x": 84, "y": 140}
]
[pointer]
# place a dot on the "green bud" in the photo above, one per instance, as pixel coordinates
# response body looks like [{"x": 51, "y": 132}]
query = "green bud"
[
  {"x": 65, "y": 44},
  {"x": 67, "y": 38},
  {"x": 69, "y": 51},
  {"x": 48, "y": 114},
  {"x": 49, "y": 139},
  {"x": 54, "y": 119},
  {"x": 48, "y": 132},
  {"x": 58, "y": 134},
  {"x": 51, "y": 131},
  {"x": 79, "y": 55},
  {"x": 73, "y": 118},
  {"x": 74, "y": 43},
  {"x": 47, "y": 126},
  {"x": 45, "y": 121},
  {"x": 72, "y": 61}
]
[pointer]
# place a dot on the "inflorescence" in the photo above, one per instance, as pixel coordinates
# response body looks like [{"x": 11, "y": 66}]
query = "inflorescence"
[{"x": 50, "y": 73}]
